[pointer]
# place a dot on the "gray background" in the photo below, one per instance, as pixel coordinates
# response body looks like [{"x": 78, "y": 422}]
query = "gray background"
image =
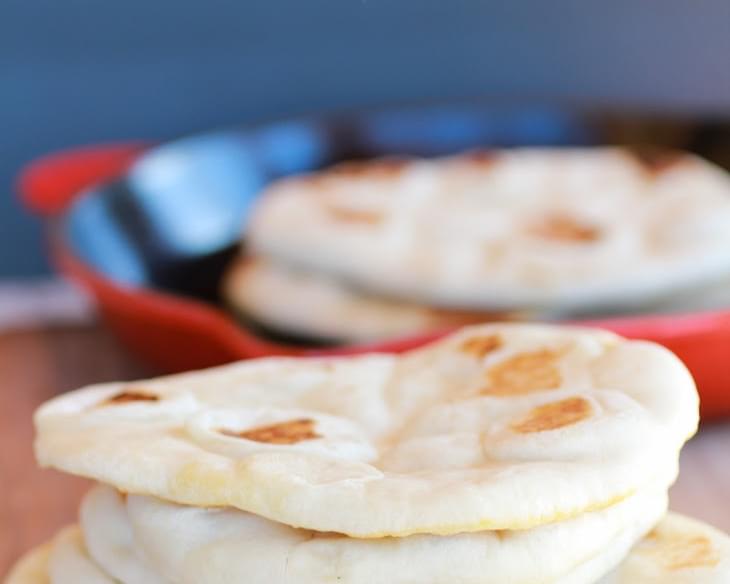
[{"x": 82, "y": 71}]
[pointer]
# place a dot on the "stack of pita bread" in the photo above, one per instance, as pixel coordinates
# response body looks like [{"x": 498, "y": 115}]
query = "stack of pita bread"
[
  {"x": 501, "y": 454},
  {"x": 366, "y": 251}
]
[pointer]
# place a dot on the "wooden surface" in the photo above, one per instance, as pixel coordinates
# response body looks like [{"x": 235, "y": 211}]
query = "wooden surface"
[{"x": 35, "y": 366}]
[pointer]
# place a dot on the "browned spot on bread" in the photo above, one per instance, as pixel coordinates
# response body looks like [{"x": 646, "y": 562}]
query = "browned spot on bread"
[
  {"x": 524, "y": 373},
  {"x": 480, "y": 346},
  {"x": 656, "y": 161},
  {"x": 327, "y": 535},
  {"x": 130, "y": 395},
  {"x": 503, "y": 534},
  {"x": 290, "y": 432},
  {"x": 451, "y": 317},
  {"x": 479, "y": 158},
  {"x": 382, "y": 168},
  {"x": 495, "y": 252},
  {"x": 560, "y": 227},
  {"x": 677, "y": 552},
  {"x": 350, "y": 215},
  {"x": 554, "y": 415}
]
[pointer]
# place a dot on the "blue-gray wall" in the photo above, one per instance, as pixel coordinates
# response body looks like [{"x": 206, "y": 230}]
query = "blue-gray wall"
[{"x": 81, "y": 71}]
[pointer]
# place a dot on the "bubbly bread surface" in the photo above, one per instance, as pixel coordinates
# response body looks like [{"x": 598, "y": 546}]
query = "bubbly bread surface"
[
  {"x": 493, "y": 427},
  {"x": 565, "y": 229}
]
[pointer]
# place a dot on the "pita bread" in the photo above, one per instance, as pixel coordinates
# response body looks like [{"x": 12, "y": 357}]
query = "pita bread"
[
  {"x": 191, "y": 545},
  {"x": 62, "y": 561},
  {"x": 318, "y": 307},
  {"x": 32, "y": 568},
  {"x": 572, "y": 230},
  {"x": 109, "y": 539},
  {"x": 494, "y": 427},
  {"x": 69, "y": 562},
  {"x": 679, "y": 550}
]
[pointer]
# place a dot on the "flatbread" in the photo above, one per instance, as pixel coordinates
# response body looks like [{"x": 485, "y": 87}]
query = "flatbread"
[
  {"x": 494, "y": 427},
  {"x": 560, "y": 229},
  {"x": 679, "y": 550},
  {"x": 63, "y": 560},
  {"x": 318, "y": 307},
  {"x": 109, "y": 539},
  {"x": 32, "y": 568},
  {"x": 69, "y": 562},
  {"x": 217, "y": 546}
]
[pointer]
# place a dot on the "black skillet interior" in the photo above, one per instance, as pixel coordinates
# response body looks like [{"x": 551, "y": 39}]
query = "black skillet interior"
[{"x": 174, "y": 221}]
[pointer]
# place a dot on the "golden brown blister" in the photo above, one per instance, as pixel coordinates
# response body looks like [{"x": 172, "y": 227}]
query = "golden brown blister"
[
  {"x": 564, "y": 228},
  {"x": 289, "y": 432},
  {"x": 524, "y": 373},
  {"x": 679, "y": 550},
  {"x": 554, "y": 415}
]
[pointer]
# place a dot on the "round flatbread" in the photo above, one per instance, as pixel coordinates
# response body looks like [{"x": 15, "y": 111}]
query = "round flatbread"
[
  {"x": 69, "y": 562},
  {"x": 494, "y": 427},
  {"x": 217, "y": 546},
  {"x": 318, "y": 307},
  {"x": 32, "y": 568},
  {"x": 66, "y": 559},
  {"x": 109, "y": 539},
  {"x": 679, "y": 550},
  {"x": 561, "y": 229}
]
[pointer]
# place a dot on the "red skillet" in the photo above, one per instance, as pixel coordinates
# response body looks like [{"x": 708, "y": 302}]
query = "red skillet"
[{"x": 176, "y": 333}]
